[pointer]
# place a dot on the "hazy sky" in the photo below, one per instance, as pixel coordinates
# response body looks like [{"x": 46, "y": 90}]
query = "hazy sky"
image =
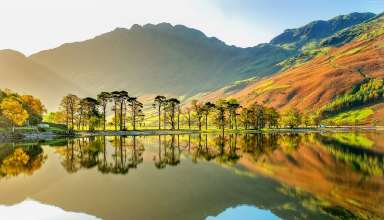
[{"x": 29, "y": 26}]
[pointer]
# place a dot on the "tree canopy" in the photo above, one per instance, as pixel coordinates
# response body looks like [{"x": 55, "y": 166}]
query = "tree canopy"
[{"x": 17, "y": 110}]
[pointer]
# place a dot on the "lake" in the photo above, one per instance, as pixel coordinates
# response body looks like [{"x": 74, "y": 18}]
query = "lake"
[{"x": 198, "y": 176}]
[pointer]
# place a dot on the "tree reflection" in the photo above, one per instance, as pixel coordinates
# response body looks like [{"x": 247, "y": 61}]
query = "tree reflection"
[
  {"x": 21, "y": 159},
  {"x": 290, "y": 142},
  {"x": 70, "y": 161},
  {"x": 172, "y": 152},
  {"x": 258, "y": 145},
  {"x": 127, "y": 152},
  {"x": 207, "y": 154},
  {"x": 137, "y": 151},
  {"x": 104, "y": 166},
  {"x": 197, "y": 153},
  {"x": 159, "y": 160},
  {"x": 89, "y": 152},
  {"x": 126, "y": 156}
]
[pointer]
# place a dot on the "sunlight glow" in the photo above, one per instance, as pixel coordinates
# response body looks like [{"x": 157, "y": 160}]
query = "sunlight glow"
[{"x": 30, "y": 26}]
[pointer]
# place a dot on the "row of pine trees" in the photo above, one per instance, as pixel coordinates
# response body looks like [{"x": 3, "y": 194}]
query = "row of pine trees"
[{"x": 91, "y": 114}]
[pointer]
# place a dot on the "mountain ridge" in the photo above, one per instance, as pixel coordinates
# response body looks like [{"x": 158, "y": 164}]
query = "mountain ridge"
[
  {"x": 150, "y": 59},
  {"x": 320, "y": 29},
  {"x": 205, "y": 62}
]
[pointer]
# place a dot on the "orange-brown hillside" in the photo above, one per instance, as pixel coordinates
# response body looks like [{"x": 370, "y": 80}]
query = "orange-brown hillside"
[{"x": 317, "y": 82}]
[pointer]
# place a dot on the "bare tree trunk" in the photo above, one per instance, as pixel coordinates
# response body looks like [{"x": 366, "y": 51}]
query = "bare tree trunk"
[
  {"x": 159, "y": 117},
  {"x": 121, "y": 116},
  {"x": 115, "y": 116},
  {"x": 134, "y": 119},
  {"x": 79, "y": 123},
  {"x": 206, "y": 121},
  {"x": 72, "y": 116},
  {"x": 178, "y": 120},
  {"x": 105, "y": 121},
  {"x": 235, "y": 122},
  {"x": 67, "y": 118},
  {"x": 124, "y": 117},
  {"x": 173, "y": 120}
]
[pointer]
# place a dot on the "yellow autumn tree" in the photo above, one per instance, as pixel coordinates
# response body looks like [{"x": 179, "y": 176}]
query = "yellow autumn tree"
[
  {"x": 13, "y": 110},
  {"x": 34, "y": 103},
  {"x": 34, "y": 107}
]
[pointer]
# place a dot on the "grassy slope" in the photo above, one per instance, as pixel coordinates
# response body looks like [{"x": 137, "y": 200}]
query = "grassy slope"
[
  {"x": 310, "y": 86},
  {"x": 351, "y": 117}
]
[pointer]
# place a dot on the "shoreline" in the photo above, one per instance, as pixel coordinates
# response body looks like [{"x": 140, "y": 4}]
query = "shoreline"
[
  {"x": 240, "y": 131},
  {"x": 51, "y": 135}
]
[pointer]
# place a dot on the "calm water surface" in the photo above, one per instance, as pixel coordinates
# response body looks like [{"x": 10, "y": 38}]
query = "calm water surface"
[{"x": 253, "y": 176}]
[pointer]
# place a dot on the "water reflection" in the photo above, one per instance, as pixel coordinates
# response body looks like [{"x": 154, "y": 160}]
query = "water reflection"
[
  {"x": 86, "y": 153},
  {"x": 330, "y": 175},
  {"x": 244, "y": 212},
  {"x": 39, "y": 211},
  {"x": 19, "y": 159}
]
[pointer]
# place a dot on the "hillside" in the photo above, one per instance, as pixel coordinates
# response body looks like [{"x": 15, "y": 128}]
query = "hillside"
[
  {"x": 158, "y": 59},
  {"x": 317, "y": 37},
  {"x": 27, "y": 77},
  {"x": 320, "y": 81}
]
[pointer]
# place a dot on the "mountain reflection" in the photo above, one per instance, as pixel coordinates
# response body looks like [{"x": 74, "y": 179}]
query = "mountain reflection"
[{"x": 343, "y": 172}]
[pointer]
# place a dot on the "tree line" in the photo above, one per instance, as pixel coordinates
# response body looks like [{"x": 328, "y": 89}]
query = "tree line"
[
  {"x": 368, "y": 91},
  {"x": 169, "y": 113},
  {"x": 91, "y": 113}
]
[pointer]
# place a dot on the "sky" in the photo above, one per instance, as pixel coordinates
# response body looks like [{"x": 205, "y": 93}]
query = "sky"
[{"x": 31, "y": 26}]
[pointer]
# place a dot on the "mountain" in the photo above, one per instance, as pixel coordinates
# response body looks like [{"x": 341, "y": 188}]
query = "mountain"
[
  {"x": 344, "y": 77},
  {"x": 318, "y": 30},
  {"x": 149, "y": 60},
  {"x": 165, "y": 59},
  {"x": 158, "y": 59}
]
